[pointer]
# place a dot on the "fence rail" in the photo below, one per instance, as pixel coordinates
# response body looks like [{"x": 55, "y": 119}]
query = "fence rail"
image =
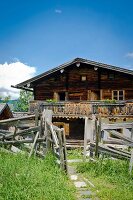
[
  {"x": 115, "y": 140},
  {"x": 38, "y": 140}
]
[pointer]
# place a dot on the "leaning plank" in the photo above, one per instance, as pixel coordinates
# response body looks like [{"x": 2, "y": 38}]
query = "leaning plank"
[
  {"x": 117, "y": 141},
  {"x": 54, "y": 136},
  {"x": 106, "y": 149},
  {"x": 119, "y": 135},
  {"x": 34, "y": 143}
]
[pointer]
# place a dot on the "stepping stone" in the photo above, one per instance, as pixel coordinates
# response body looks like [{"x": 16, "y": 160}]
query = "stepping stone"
[
  {"x": 74, "y": 177},
  {"x": 79, "y": 184},
  {"x": 85, "y": 192},
  {"x": 71, "y": 170}
]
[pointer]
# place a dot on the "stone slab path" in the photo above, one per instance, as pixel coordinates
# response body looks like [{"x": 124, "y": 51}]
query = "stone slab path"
[{"x": 83, "y": 193}]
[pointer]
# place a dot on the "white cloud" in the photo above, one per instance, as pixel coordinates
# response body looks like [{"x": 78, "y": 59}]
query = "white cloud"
[
  {"x": 129, "y": 55},
  {"x": 58, "y": 11},
  {"x": 12, "y": 74}
]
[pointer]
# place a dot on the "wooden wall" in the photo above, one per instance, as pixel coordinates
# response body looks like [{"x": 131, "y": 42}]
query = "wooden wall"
[{"x": 70, "y": 82}]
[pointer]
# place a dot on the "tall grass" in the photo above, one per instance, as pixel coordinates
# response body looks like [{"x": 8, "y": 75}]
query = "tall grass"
[
  {"x": 32, "y": 179},
  {"x": 111, "y": 178}
]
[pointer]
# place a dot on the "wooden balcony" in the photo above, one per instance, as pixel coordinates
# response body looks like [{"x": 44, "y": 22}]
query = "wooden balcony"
[{"x": 84, "y": 108}]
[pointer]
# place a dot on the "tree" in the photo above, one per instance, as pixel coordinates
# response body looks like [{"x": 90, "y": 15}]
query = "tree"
[
  {"x": 22, "y": 105},
  {"x": 5, "y": 99}
]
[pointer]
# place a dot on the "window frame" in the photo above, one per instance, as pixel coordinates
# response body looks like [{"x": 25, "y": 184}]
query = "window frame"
[
  {"x": 83, "y": 76},
  {"x": 118, "y": 95}
]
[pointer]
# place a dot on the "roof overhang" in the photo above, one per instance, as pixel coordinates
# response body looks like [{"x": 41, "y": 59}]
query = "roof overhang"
[{"x": 27, "y": 85}]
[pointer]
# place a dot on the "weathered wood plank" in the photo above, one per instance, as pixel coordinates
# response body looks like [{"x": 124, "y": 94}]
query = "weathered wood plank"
[
  {"x": 12, "y": 120},
  {"x": 119, "y": 135}
]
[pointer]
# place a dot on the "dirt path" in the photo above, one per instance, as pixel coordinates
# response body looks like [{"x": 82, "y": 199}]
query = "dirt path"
[{"x": 81, "y": 183}]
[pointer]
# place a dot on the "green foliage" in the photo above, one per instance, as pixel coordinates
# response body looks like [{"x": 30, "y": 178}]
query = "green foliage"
[
  {"x": 32, "y": 179},
  {"x": 22, "y": 104},
  {"x": 75, "y": 154},
  {"x": 51, "y": 101},
  {"x": 5, "y": 99},
  {"x": 110, "y": 101},
  {"x": 111, "y": 178}
]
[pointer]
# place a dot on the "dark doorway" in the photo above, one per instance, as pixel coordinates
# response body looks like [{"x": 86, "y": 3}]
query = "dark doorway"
[
  {"x": 76, "y": 129},
  {"x": 62, "y": 96}
]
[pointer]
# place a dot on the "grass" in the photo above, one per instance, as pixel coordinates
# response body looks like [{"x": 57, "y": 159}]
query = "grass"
[
  {"x": 110, "y": 177},
  {"x": 75, "y": 154},
  {"x": 32, "y": 179}
]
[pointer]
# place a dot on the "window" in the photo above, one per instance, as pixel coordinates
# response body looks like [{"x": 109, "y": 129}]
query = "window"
[
  {"x": 118, "y": 94},
  {"x": 83, "y": 78}
]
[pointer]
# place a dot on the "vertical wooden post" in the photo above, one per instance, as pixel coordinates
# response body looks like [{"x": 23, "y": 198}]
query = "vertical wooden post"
[
  {"x": 36, "y": 117},
  {"x": 61, "y": 149},
  {"x": 65, "y": 150},
  {"x": 131, "y": 162},
  {"x": 97, "y": 138},
  {"x": 99, "y": 128},
  {"x": 85, "y": 137},
  {"x": 132, "y": 132},
  {"x": 36, "y": 124},
  {"x": 48, "y": 136}
]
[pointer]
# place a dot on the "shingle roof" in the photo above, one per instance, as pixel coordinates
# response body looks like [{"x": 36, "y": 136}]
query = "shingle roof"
[{"x": 81, "y": 60}]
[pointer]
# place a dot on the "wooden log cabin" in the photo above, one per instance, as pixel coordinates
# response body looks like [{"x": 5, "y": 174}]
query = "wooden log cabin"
[{"x": 80, "y": 88}]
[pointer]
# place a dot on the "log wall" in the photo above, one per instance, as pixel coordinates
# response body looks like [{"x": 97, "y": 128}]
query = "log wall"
[{"x": 70, "y": 83}]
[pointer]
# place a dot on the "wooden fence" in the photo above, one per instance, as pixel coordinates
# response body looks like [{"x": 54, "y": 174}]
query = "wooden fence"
[
  {"x": 38, "y": 139},
  {"x": 115, "y": 140}
]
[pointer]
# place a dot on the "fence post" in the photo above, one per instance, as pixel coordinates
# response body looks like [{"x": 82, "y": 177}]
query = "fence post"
[
  {"x": 99, "y": 128},
  {"x": 65, "y": 150},
  {"x": 61, "y": 149},
  {"x": 97, "y": 138},
  {"x": 131, "y": 162},
  {"x": 48, "y": 136},
  {"x": 36, "y": 117}
]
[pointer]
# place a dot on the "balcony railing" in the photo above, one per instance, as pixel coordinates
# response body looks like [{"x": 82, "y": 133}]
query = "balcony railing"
[{"x": 84, "y": 108}]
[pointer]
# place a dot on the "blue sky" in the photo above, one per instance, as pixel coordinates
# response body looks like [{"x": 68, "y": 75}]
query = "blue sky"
[{"x": 46, "y": 33}]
